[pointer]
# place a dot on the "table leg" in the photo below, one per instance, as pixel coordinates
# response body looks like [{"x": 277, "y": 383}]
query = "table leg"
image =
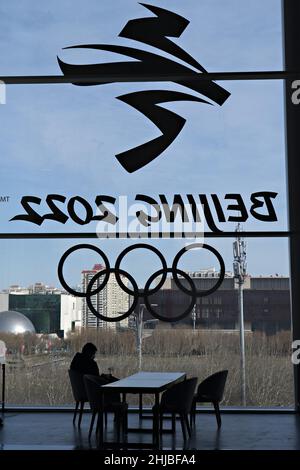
[
  {"x": 156, "y": 430},
  {"x": 125, "y": 428},
  {"x": 140, "y": 405},
  {"x": 100, "y": 423}
]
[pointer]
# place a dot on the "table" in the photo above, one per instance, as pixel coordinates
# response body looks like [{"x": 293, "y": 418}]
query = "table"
[{"x": 141, "y": 383}]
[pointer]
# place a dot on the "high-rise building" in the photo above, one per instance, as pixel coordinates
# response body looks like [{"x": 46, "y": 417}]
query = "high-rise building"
[
  {"x": 89, "y": 320},
  {"x": 117, "y": 300},
  {"x": 110, "y": 302}
]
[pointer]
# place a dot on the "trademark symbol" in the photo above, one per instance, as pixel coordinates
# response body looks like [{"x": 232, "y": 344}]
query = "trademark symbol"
[{"x": 4, "y": 198}]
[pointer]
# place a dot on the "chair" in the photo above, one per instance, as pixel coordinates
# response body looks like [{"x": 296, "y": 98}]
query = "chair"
[
  {"x": 178, "y": 400},
  {"x": 210, "y": 390},
  {"x": 111, "y": 403},
  {"x": 79, "y": 393}
]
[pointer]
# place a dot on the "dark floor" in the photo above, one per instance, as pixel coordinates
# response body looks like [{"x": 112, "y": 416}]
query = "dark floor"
[{"x": 244, "y": 431}]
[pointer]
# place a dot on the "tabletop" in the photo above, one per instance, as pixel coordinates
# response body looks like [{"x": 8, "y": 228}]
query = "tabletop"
[{"x": 152, "y": 382}]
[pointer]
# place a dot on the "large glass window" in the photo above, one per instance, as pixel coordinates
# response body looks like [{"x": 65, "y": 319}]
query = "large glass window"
[{"x": 60, "y": 178}]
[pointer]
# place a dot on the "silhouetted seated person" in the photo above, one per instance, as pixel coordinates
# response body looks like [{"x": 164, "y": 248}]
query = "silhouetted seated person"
[{"x": 85, "y": 363}]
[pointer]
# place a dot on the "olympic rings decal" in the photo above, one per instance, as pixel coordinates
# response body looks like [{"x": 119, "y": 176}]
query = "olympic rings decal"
[{"x": 135, "y": 292}]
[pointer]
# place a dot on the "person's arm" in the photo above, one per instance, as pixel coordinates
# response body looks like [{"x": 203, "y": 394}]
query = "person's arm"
[{"x": 95, "y": 368}]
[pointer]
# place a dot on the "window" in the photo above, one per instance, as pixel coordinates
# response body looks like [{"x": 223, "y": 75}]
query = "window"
[
  {"x": 218, "y": 312},
  {"x": 205, "y": 313}
]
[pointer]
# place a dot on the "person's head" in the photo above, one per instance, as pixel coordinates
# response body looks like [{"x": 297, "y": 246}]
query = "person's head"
[{"x": 89, "y": 349}]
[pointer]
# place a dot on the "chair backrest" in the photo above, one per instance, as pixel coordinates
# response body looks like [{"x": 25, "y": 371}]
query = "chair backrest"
[
  {"x": 93, "y": 385},
  {"x": 213, "y": 386},
  {"x": 77, "y": 384},
  {"x": 181, "y": 395}
]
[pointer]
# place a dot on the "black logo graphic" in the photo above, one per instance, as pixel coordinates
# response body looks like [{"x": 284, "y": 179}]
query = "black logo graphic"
[
  {"x": 154, "y": 32},
  {"x": 135, "y": 292}
]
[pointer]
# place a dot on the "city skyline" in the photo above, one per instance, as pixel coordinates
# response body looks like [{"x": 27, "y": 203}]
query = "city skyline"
[
  {"x": 267, "y": 306},
  {"x": 15, "y": 287}
]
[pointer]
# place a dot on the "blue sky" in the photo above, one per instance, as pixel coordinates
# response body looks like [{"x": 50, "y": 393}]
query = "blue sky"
[{"x": 63, "y": 139}]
